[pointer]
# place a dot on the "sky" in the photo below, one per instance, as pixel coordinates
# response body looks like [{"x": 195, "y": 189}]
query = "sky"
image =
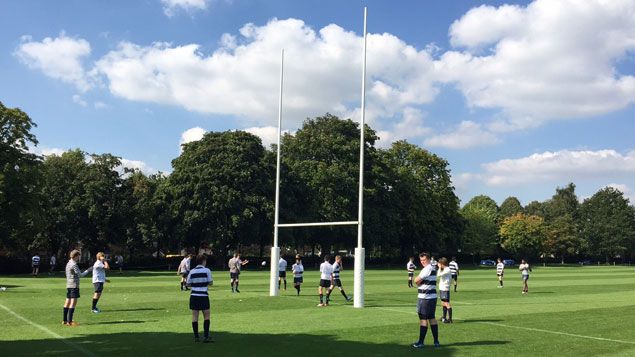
[{"x": 519, "y": 97}]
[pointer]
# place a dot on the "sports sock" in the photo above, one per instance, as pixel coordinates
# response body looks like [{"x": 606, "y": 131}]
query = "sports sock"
[
  {"x": 321, "y": 298},
  {"x": 328, "y": 294},
  {"x": 422, "y": 333},
  {"x": 285, "y": 285},
  {"x": 195, "y": 328},
  {"x": 445, "y": 311},
  {"x": 501, "y": 282},
  {"x": 95, "y": 303},
  {"x": 65, "y": 314},
  {"x": 278, "y": 284},
  {"x": 344, "y": 294},
  {"x": 435, "y": 333},
  {"x": 206, "y": 328},
  {"x": 450, "y": 313},
  {"x": 71, "y": 311}
]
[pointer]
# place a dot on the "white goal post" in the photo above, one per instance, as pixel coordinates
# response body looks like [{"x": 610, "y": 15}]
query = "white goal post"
[{"x": 358, "y": 289}]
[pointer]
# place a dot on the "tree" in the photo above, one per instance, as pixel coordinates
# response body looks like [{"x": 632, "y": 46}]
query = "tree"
[
  {"x": 563, "y": 202},
  {"x": 563, "y": 237},
  {"x": 523, "y": 235},
  {"x": 19, "y": 178},
  {"x": 535, "y": 208},
  {"x": 481, "y": 227},
  {"x": 511, "y": 206},
  {"x": 608, "y": 223}
]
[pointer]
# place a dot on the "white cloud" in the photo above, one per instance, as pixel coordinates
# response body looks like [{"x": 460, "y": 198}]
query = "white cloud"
[
  {"x": 549, "y": 60},
  {"x": 138, "y": 165},
  {"x": 268, "y": 134},
  {"x": 411, "y": 127},
  {"x": 59, "y": 58},
  {"x": 192, "y": 134},
  {"x": 561, "y": 165},
  {"x": 468, "y": 134},
  {"x": 47, "y": 151},
  {"x": 77, "y": 99},
  {"x": 322, "y": 73},
  {"x": 100, "y": 105},
  {"x": 171, "y": 7}
]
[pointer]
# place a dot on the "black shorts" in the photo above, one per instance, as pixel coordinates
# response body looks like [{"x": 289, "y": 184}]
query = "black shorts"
[
  {"x": 234, "y": 276},
  {"x": 444, "y": 295},
  {"x": 325, "y": 283},
  {"x": 282, "y": 274},
  {"x": 298, "y": 280},
  {"x": 337, "y": 282},
  {"x": 36, "y": 266},
  {"x": 411, "y": 274},
  {"x": 72, "y": 293},
  {"x": 185, "y": 274},
  {"x": 426, "y": 308},
  {"x": 501, "y": 275},
  {"x": 455, "y": 277},
  {"x": 525, "y": 277},
  {"x": 99, "y": 287},
  {"x": 199, "y": 303}
]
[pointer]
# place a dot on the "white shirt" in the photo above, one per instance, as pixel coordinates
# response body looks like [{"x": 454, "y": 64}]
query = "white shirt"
[
  {"x": 282, "y": 265},
  {"x": 411, "y": 267},
  {"x": 53, "y": 261},
  {"x": 428, "y": 288},
  {"x": 184, "y": 267},
  {"x": 99, "y": 272},
  {"x": 326, "y": 269},
  {"x": 524, "y": 269},
  {"x": 445, "y": 278},
  {"x": 500, "y": 267},
  {"x": 297, "y": 269}
]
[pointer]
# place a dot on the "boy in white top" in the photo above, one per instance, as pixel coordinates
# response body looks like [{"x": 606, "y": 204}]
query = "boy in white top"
[
  {"x": 524, "y": 273},
  {"x": 298, "y": 270},
  {"x": 411, "y": 271},
  {"x": 183, "y": 270},
  {"x": 99, "y": 278},
  {"x": 282, "y": 272},
  {"x": 500, "y": 271},
  {"x": 326, "y": 279},
  {"x": 444, "y": 275},
  {"x": 35, "y": 264},
  {"x": 52, "y": 263}
]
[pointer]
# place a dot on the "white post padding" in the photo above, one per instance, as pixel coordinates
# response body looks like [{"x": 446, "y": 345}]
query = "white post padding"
[
  {"x": 358, "y": 289},
  {"x": 273, "y": 282}
]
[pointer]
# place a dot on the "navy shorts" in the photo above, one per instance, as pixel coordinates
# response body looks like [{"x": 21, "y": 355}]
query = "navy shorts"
[
  {"x": 234, "y": 276},
  {"x": 99, "y": 287},
  {"x": 185, "y": 274},
  {"x": 199, "y": 303},
  {"x": 72, "y": 293},
  {"x": 411, "y": 274},
  {"x": 455, "y": 277},
  {"x": 298, "y": 280},
  {"x": 36, "y": 265},
  {"x": 282, "y": 274},
  {"x": 325, "y": 283},
  {"x": 337, "y": 282},
  {"x": 444, "y": 295},
  {"x": 426, "y": 308},
  {"x": 525, "y": 277}
]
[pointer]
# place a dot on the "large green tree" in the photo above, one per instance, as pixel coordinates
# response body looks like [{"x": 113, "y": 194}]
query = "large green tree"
[
  {"x": 480, "y": 237},
  {"x": 523, "y": 235},
  {"x": 511, "y": 206}
]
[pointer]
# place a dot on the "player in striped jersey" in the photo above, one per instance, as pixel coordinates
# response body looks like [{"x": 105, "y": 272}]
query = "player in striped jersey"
[
  {"x": 326, "y": 279},
  {"x": 198, "y": 280},
  {"x": 35, "y": 264},
  {"x": 454, "y": 268},
  {"x": 500, "y": 271},
  {"x": 72, "y": 287},
  {"x": 298, "y": 270},
  {"x": 427, "y": 303},
  {"x": 411, "y": 271},
  {"x": 282, "y": 272},
  {"x": 444, "y": 276},
  {"x": 337, "y": 267},
  {"x": 433, "y": 262}
]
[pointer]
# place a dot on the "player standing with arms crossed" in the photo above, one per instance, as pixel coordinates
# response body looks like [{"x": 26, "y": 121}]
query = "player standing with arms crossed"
[
  {"x": 524, "y": 273},
  {"x": 199, "y": 279},
  {"x": 99, "y": 278},
  {"x": 454, "y": 268},
  {"x": 298, "y": 270},
  {"x": 411, "y": 271},
  {"x": 444, "y": 277},
  {"x": 282, "y": 272},
  {"x": 72, "y": 287},
  {"x": 500, "y": 271},
  {"x": 427, "y": 302},
  {"x": 326, "y": 279}
]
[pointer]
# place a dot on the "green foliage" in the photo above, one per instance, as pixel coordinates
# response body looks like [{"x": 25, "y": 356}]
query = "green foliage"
[
  {"x": 511, "y": 206},
  {"x": 523, "y": 235},
  {"x": 481, "y": 227},
  {"x": 564, "y": 202},
  {"x": 535, "y": 208},
  {"x": 563, "y": 237}
]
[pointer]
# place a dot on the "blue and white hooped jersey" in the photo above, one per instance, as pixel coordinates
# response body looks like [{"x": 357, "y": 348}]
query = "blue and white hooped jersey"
[{"x": 428, "y": 288}]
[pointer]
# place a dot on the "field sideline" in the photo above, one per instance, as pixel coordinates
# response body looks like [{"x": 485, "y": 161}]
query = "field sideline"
[{"x": 569, "y": 311}]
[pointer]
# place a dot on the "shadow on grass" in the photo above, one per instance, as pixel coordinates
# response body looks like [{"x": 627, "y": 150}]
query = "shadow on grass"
[
  {"x": 171, "y": 344},
  {"x": 11, "y": 286},
  {"x": 480, "y": 320},
  {"x": 132, "y": 310},
  {"x": 122, "y": 322}
]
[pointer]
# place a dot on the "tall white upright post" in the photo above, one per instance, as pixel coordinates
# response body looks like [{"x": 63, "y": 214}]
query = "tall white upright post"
[
  {"x": 358, "y": 292},
  {"x": 275, "y": 250}
]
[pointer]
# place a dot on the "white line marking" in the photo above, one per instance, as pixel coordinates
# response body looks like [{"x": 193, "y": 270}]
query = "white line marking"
[
  {"x": 61, "y": 338},
  {"x": 526, "y": 328}
]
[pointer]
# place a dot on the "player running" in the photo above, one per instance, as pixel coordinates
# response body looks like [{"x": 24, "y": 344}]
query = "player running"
[
  {"x": 99, "y": 278},
  {"x": 326, "y": 279},
  {"x": 35, "y": 264},
  {"x": 183, "y": 270},
  {"x": 282, "y": 272},
  {"x": 199, "y": 279},
  {"x": 298, "y": 270},
  {"x": 454, "y": 268},
  {"x": 337, "y": 267},
  {"x": 427, "y": 303},
  {"x": 524, "y": 273},
  {"x": 444, "y": 277},
  {"x": 410, "y": 266},
  {"x": 72, "y": 287},
  {"x": 500, "y": 271}
]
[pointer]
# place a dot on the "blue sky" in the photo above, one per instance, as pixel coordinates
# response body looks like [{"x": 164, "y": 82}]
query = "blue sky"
[{"x": 519, "y": 97}]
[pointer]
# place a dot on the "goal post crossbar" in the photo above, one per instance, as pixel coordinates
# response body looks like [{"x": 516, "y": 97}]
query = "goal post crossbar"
[{"x": 317, "y": 224}]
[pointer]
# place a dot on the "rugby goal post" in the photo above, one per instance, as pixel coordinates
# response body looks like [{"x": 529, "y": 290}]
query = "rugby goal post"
[{"x": 358, "y": 288}]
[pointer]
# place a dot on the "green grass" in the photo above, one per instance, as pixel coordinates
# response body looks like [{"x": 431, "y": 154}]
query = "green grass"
[{"x": 146, "y": 314}]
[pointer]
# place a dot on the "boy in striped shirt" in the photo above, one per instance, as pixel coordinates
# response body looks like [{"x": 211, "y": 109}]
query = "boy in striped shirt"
[
  {"x": 454, "y": 269},
  {"x": 427, "y": 303},
  {"x": 199, "y": 279},
  {"x": 72, "y": 287},
  {"x": 298, "y": 270},
  {"x": 411, "y": 271},
  {"x": 35, "y": 264},
  {"x": 500, "y": 271},
  {"x": 337, "y": 267}
]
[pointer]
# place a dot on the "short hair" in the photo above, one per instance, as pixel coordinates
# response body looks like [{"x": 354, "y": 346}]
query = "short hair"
[
  {"x": 499, "y": 259},
  {"x": 424, "y": 254},
  {"x": 74, "y": 253},
  {"x": 338, "y": 257},
  {"x": 443, "y": 261},
  {"x": 327, "y": 258},
  {"x": 201, "y": 258},
  {"x": 411, "y": 258},
  {"x": 100, "y": 254}
]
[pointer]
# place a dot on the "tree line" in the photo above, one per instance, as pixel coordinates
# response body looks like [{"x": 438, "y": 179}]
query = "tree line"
[{"x": 220, "y": 195}]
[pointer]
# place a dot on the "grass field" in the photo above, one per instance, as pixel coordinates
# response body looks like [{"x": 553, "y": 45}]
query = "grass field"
[{"x": 568, "y": 312}]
